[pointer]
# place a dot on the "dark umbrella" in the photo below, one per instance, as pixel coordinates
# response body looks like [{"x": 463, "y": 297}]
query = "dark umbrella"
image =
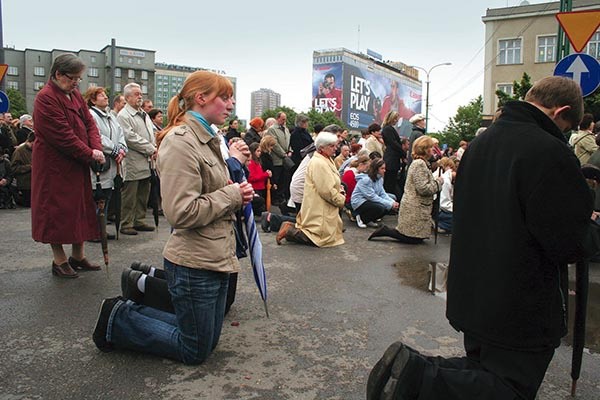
[
  {"x": 117, "y": 197},
  {"x": 256, "y": 257},
  {"x": 436, "y": 214},
  {"x": 154, "y": 195},
  {"x": 100, "y": 200},
  {"x": 581, "y": 296}
]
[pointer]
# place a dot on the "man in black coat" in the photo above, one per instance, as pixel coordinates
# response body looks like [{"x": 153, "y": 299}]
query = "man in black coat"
[
  {"x": 300, "y": 138},
  {"x": 521, "y": 211}
]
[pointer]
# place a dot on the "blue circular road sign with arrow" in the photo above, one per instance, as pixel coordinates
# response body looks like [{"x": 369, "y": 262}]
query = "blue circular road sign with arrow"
[
  {"x": 4, "y": 103},
  {"x": 583, "y": 69}
]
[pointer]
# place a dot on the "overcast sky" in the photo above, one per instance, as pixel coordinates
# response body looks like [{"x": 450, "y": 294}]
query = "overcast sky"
[{"x": 266, "y": 43}]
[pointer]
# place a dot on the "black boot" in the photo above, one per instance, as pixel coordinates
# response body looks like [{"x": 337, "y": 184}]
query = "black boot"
[{"x": 383, "y": 231}]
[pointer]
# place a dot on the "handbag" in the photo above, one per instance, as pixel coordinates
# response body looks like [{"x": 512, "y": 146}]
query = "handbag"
[{"x": 288, "y": 163}]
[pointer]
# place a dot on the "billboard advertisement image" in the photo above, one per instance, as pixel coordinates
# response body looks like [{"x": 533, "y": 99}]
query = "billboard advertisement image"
[{"x": 327, "y": 88}]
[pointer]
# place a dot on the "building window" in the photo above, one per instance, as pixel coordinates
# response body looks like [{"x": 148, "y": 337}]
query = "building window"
[
  {"x": 593, "y": 47},
  {"x": 117, "y": 87},
  {"x": 509, "y": 51},
  {"x": 546, "y": 49},
  {"x": 120, "y": 59},
  {"x": 13, "y": 71},
  {"x": 93, "y": 59},
  {"x": 506, "y": 88},
  {"x": 39, "y": 71},
  {"x": 93, "y": 72},
  {"x": 131, "y": 74},
  {"x": 144, "y": 89},
  {"x": 139, "y": 61},
  {"x": 129, "y": 61},
  {"x": 145, "y": 75},
  {"x": 13, "y": 85},
  {"x": 38, "y": 85},
  {"x": 117, "y": 72}
]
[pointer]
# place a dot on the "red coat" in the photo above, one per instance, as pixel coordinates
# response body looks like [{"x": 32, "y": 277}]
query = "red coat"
[
  {"x": 257, "y": 176},
  {"x": 62, "y": 205}
]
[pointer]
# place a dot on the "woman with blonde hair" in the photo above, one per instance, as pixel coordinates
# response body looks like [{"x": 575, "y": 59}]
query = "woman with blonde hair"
[
  {"x": 414, "y": 217},
  {"x": 199, "y": 203}
]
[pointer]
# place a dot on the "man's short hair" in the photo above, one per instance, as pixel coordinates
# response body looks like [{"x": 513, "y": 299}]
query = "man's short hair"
[
  {"x": 116, "y": 99},
  {"x": 300, "y": 119},
  {"x": 146, "y": 102},
  {"x": 586, "y": 121},
  {"x": 154, "y": 112},
  {"x": 556, "y": 91},
  {"x": 333, "y": 128}
]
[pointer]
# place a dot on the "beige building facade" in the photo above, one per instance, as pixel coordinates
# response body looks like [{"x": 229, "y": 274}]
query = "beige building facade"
[{"x": 524, "y": 39}]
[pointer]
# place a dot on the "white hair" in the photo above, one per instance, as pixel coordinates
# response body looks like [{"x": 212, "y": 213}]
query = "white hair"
[
  {"x": 324, "y": 139},
  {"x": 129, "y": 88}
]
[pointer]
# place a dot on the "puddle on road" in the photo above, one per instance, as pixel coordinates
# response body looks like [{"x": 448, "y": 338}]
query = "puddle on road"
[
  {"x": 416, "y": 275},
  {"x": 592, "y": 323}
]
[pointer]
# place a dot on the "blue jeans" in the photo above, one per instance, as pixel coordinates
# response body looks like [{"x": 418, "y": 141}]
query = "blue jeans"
[
  {"x": 445, "y": 220},
  {"x": 191, "y": 333}
]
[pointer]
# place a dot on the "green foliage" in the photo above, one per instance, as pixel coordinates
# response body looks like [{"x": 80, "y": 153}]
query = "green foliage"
[
  {"x": 520, "y": 89},
  {"x": 463, "y": 125},
  {"x": 327, "y": 118},
  {"x": 592, "y": 104},
  {"x": 18, "y": 105}
]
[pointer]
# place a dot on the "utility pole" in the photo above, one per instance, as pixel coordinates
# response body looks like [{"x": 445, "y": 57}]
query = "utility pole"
[
  {"x": 427, "y": 72},
  {"x": 563, "y": 47}
]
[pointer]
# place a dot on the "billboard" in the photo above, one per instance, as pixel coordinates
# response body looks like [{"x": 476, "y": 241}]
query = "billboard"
[
  {"x": 360, "y": 97},
  {"x": 327, "y": 88},
  {"x": 370, "y": 96}
]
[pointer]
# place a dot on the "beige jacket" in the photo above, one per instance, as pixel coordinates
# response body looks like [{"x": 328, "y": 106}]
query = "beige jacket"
[
  {"x": 373, "y": 144},
  {"x": 414, "y": 216},
  {"x": 197, "y": 200},
  {"x": 139, "y": 136},
  {"x": 282, "y": 145},
  {"x": 319, "y": 217},
  {"x": 585, "y": 145}
]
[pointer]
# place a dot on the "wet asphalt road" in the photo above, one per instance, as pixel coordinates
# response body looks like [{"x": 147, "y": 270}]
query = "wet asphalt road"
[{"x": 333, "y": 313}]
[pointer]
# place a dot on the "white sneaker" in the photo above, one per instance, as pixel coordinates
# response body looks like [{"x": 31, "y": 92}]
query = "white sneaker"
[{"x": 360, "y": 223}]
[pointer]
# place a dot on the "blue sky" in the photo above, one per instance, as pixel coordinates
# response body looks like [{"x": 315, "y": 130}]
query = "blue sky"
[{"x": 270, "y": 44}]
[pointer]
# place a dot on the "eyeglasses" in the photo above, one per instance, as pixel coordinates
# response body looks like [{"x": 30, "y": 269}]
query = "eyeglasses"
[{"x": 72, "y": 78}]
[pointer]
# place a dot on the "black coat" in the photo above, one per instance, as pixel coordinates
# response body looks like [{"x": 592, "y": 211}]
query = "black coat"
[
  {"x": 231, "y": 133},
  {"x": 393, "y": 153},
  {"x": 299, "y": 139},
  {"x": 414, "y": 135},
  {"x": 521, "y": 211},
  {"x": 251, "y": 136}
]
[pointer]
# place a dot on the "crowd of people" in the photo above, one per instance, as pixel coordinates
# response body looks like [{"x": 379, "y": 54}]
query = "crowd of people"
[{"x": 209, "y": 169}]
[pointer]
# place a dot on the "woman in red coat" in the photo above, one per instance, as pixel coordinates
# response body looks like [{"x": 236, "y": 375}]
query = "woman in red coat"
[{"x": 67, "y": 141}]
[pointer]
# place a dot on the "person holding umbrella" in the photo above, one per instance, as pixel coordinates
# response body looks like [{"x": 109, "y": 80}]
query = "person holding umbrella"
[
  {"x": 521, "y": 211},
  {"x": 67, "y": 142},
  {"x": 199, "y": 202},
  {"x": 113, "y": 141}
]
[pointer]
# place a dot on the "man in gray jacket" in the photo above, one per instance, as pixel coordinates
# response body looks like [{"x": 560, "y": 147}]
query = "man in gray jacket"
[
  {"x": 139, "y": 136},
  {"x": 280, "y": 177}
]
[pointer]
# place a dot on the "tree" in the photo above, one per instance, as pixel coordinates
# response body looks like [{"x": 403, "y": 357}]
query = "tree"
[
  {"x": 464, "y": 124},
  {"x": 592, "y": 104},
  {"x": 520, "y": 89},
  {"x": 18, "y": 106},
  {"x": 326, "y": 118}
]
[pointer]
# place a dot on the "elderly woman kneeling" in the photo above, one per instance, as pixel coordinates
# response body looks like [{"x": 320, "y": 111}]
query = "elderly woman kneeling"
[{"x": 319, "y": 223}]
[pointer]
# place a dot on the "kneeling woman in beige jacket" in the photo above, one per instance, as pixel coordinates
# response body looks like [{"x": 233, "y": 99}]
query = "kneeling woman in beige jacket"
[{"x": 199, "y": 202}]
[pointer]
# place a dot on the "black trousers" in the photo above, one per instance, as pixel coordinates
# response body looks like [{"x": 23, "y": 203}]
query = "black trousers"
[
  {"x": 487, "y": 372},
  {"x": 370, "y": 211}
]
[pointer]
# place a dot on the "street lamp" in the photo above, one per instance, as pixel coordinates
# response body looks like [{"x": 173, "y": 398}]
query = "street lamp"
[{"x": 427, "y": 72}]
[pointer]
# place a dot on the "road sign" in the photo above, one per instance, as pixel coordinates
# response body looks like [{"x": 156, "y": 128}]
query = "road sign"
[
  {"x": 3, "y": 69},
  {"x": 583, "y": 69},
  {"x": 4, "y": 103},
  {"x": 579, "y": 26}
]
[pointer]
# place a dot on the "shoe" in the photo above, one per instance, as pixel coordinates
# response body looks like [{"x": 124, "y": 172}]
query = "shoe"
[
  {"x": 398, "y": 377},
  {"x": 99, "y": 335},
  {"x": 110, "y": 236},
  {"x": 359, "y": 222},
  {"x": 83, "y": 265},
  {"x": 64, "y": 270},
  {"x": 139, "y": 266},
  {"x": 442, "y": 231},
  {"x": 372, "y": 224},
  {"x": 382, "y": 371},
  {"x": 128, "y": 231},
  {"x": 349, "y": 214},
  {"x": 144, "y": 228},
  {"x": 285, "y": 227},
  {"x": 382, "y": 231},
  {"x": 129, "y": 288},
  {"x": 265, "y": 222}
]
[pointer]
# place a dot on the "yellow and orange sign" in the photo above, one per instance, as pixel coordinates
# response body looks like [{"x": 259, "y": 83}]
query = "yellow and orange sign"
[
  {"x": 579, "y": 26},
  {"x": 3, "y": 69}
]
